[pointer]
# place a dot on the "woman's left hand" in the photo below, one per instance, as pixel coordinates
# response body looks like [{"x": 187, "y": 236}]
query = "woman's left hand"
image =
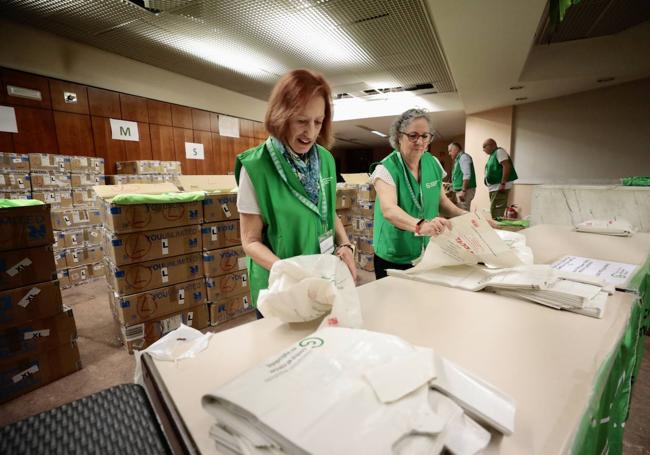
[{"x": 345, "y": 254}]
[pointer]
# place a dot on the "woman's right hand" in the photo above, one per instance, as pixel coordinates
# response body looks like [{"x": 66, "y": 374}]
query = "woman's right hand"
[{"x": 435, "y": 226}]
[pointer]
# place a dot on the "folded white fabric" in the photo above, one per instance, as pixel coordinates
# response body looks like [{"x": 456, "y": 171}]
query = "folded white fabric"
[
  {"x": 618, "y": 227},
  {"x": 304, "y": 288},
  {"x": 350, "y": 391}
]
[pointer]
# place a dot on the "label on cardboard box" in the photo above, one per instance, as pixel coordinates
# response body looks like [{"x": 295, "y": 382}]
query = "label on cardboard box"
[
  {"x": 25, "y": 374},
  {"x": 29, "y": 297}
]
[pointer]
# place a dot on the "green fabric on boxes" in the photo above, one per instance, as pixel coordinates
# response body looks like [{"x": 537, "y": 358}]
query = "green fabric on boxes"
[
  {"x": 164, "y": 198},
  {"x": 636, "y": 181},
  {"x": 10, "y": 203},
  {"x": 518, "y": 223}
]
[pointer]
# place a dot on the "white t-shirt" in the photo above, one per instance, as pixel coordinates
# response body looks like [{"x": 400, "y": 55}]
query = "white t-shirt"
[
  {"x": 382, "y": 173},
  {"x": 502, "y": 155},
  {"x": 246, "y": 196}
]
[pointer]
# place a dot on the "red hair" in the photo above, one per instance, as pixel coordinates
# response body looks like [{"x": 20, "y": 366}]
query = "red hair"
[{"x": 289, "y": 95}]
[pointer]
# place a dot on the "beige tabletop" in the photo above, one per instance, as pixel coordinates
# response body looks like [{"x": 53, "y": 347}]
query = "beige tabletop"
[
  {"x": 551, "y": 242},
  {"x": 547, "y": 360}
]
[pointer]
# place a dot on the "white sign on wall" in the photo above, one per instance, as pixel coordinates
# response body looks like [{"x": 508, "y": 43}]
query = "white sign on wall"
[
  {"x": 8, "y": 119},
  {"x": 194, "y": 151},
  {"x": 228, "y": 126},
  {"x": 122, "y": 130}
]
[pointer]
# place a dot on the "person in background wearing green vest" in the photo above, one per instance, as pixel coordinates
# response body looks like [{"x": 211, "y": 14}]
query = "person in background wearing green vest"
[
  {"x": 409, "y": 195},
  {"x": 463, "y": 177},
  {"x": 287, "y": 185},
  {"x": 499, "y": 175}
]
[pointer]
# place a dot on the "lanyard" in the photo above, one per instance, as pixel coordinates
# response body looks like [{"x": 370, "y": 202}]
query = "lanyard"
[
  {"x": 418, "y": 203},
  {"x": 306, "y": 202}
]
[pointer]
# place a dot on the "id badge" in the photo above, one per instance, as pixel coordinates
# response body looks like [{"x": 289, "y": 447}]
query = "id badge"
[{"x": 326, "y": 242}]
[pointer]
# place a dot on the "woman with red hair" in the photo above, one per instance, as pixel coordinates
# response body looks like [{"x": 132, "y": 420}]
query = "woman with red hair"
[{"x": 287, "y": 185}]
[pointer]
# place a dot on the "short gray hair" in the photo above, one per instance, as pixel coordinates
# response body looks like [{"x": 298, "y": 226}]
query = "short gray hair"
[{"x": 403, "y": 121}]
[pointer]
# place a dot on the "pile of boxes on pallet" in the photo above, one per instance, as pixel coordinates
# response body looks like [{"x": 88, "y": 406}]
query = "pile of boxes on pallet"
[
  {"x": 64, "y": 182},
  {"x": 226, "y": 274},
  {"x": 145, "y": 171},
  {"x": 37, "y": 333},
  {"x": 361, "y": 216}
]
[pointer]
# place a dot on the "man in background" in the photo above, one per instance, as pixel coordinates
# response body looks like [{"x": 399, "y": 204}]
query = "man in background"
[
  {"x": 463, "y": 178},
  {"x": 499, "y": 175}
]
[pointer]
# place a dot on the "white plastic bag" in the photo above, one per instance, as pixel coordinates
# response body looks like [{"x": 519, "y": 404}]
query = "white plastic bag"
[
  {"x": 517, "y": 242},
  {"x": 304, "y": 288},
  {"x": 182, "y": 343},
  {"x": 618, "y": 227}
]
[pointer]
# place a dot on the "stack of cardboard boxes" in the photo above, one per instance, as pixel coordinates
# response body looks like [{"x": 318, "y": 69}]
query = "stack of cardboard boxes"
[
  {"x": 225, "y": 265},
  {"x": 363, "y": 214},
  {"x": 146, "y": 171},
  {"x": 75, "y": 217},
  {"x": 345, "y": 198},
  {"x": 14, "y": 176},
  {"x": 37, "y": 333},
  {"x": 154, "y": 265}
]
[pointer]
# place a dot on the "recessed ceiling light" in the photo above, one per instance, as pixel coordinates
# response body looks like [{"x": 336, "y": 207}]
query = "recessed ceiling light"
[
  {"x": 605, "y": 79},
  {"x": 523, "y": 98},
  {"x": 516, "y": 87},
  {"x": 378, "y": 133}
]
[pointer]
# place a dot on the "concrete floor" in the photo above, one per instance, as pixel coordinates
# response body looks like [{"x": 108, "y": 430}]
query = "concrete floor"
[{"x": 106, "y": 363}]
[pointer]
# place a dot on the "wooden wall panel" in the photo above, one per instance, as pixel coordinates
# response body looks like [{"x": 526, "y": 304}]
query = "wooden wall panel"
[
  {"x": 209, "y": 164},
  {"x": 160, "y": 113},
  {"x": 105, "y": 146},
  {"x": 36, "y": 132},
  {"x": 181, "y": 116},
  {"x": 30, "y": 81},
  {"x": 259, "y": 131},
  {"x": 225, "y": 156},
  {"x": 74, "y": 134},
  {"x": 140, "y": 150},
  {"x": 200, "y": 120},
  {"x": 181, "y": 136},
  {"x": 162, "y": 142},
  {"x": 214, "y": 122},
  {"x": 104, "y": 103},
  {"x": 6, "y": 142},
  {"x": 58, "y": 89},
  {"x": 245, "y": 128},
  {"x": 134, "y": 108}
]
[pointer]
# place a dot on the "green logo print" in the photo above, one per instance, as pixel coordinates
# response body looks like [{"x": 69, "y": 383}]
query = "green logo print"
[{"x": 311, "y": 342}]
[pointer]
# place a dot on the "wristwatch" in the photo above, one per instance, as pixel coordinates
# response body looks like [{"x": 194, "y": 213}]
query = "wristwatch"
[
  {"x": 418, "y": 225},
  {"x": 349, "y": 245}
]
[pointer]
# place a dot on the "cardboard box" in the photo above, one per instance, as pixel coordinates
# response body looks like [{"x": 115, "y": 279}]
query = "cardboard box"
[
  {"x": 37, "y": 335},
  {"x": 142, "y": 335},
  {"x": 362, "y": 225},
  {"x": 148, "y": 167},
  {"x": 78, "y": 275},
  {"x": 221, "y": 202},
  {"x": 92, "y": 235},
  {"x": 22, "y": 227},
  {"x": 57, "y": 199},
  {"x": 141, "y": 217},
  {"x": 365, "y": 245},
  {"x": 135, "y": 247},
  {"x": 117, "y": 179},
  {"x": 220, "y": 235},
  {"x": 60, "y": 261},
  {"x": 366, "y": 192},
  {"x": 96, "y": 270},
  {"x": 365, "y": 261},
  {"x": 224, "y": 260},
  {"x": 59, "y": 241},
  {"x": 84, "y": 197},
  {"x": 49, "y": 181},
  {"x": 224, "y": 286},
  {"x": 14, "y": 162},
  {"x": 345, "y": 216},
  {"x": 230, "y": 308},
  {"x": 32, "y": 370},
  {"x": 87, "y": 180},
  {"x": 86, "y": 165},
  {"x": 364, "y": 209},
  {"x": 157, "y": 303},
  {"x": 344, "y": 198},
  {"x": 11, "y": 194},
  {"x": 15, "y": 181},
  {"x": 63, "y": 220},
  {"x": 83, "y": 256},
  {"x": 64, "y": 278},
  {"x": 48, "y": 162},
  {"x": 145, "y": 276},
  {"x": 220, "y": 207},
  {"x": 36, "y": 301},
  {"x": 73, "y": 238}
]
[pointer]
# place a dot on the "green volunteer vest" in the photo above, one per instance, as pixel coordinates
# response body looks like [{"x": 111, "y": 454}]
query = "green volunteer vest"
[
  {"x": 420, "y": 200},
  {"x": 290, "y": 227},
  {"x": 457, "y": 175},
  {"x": 494, "y": 170}
]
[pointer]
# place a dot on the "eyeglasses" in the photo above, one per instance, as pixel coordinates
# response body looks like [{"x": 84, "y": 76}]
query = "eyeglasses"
[{"x": 413, "y": 137}]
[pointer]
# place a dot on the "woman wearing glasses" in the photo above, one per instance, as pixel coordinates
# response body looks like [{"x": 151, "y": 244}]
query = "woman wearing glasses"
[{"x": 409, "y": 195}]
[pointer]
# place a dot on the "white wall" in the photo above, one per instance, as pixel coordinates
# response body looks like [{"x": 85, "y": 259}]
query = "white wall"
[
  {"x": 31, "y": 50},
  {"x": 590, "y": 137}
]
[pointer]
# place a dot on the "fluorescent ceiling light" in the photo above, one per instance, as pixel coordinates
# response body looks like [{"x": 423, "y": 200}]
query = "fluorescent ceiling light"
[{"x": 378, "y": 133}]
